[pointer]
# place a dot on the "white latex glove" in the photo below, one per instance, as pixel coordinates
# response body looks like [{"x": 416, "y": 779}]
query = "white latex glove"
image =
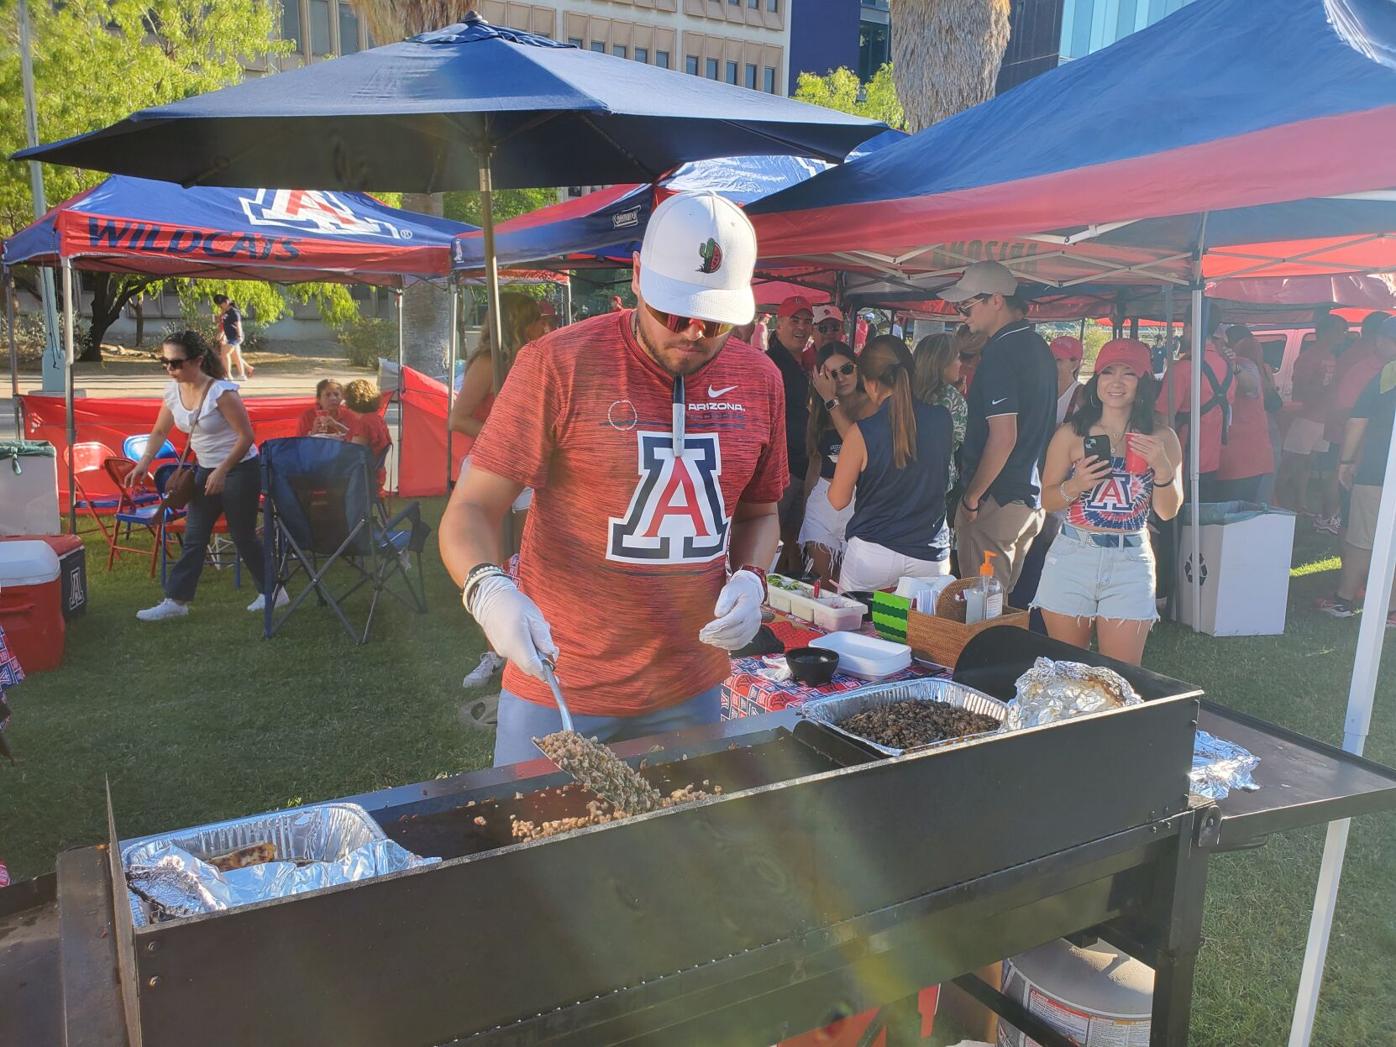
[
  {"x": 738, "y": 611},
  {"x": 513, "y": 624}
]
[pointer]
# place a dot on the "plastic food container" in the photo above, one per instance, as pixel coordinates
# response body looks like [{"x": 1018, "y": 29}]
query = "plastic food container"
[{"x": 866, "y": 656}]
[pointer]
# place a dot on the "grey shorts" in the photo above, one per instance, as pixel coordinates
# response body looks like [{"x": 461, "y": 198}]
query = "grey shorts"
[{"x": 1083, "y": 579}]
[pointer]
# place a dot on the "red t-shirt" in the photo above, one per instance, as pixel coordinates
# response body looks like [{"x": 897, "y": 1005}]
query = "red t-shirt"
[
  {"x": 625, "y": 549},
  {"x": 372, "y": 428},
  {"x": 306, "y": 424},
  {"x": 1310, "y": 382},
  {"x": 1247, "y": 451},
  {"x": 1179, "y": 380},
  {"x": 1356, "y": 368}
]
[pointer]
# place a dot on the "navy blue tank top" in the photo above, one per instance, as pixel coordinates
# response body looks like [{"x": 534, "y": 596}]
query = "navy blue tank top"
[{"x": 904, "y": 509}]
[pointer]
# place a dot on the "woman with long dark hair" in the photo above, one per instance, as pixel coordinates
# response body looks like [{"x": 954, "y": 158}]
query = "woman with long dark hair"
[
  {"x": 837, "y": 401},
  {"x": 898, "y": 461},
  {"x": 227, "y": 480},
  {"x": 1099, "y": 573}
]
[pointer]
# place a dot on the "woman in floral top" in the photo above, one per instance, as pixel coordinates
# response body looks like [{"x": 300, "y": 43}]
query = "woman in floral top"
[{"x": 937, "y": 372}]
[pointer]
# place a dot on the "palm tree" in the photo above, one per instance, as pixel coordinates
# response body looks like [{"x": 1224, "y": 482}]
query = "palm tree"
[
  {"x": 946, "y": 55},
  {"x": 426, "y": 307}
]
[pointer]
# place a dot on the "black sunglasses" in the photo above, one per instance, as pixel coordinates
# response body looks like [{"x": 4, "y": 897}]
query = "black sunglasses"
[
  {"x": 845, "y": 370},
  {"x": 174, "y": 364},
  {"x": 967, "y": 306},
  {"x": 829, "y": 327},
  {"x": 676, "y": 323}
]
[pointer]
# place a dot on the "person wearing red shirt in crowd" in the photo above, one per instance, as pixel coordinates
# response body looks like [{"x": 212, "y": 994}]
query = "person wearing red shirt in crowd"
[
  {"x": 1356, "y": 368},
  {"x": 1304, "y": 440},
  {"x": 1218, "y": 398},
  {"x": 329, "y": 417},
  {"x": 1247, "y": 457},
  {"x": 656, "y": 446},
  {"x": 363, "y": 398}
]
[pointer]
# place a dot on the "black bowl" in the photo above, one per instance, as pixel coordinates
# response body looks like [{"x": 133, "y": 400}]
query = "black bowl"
[{"x": 812, "y": 665}]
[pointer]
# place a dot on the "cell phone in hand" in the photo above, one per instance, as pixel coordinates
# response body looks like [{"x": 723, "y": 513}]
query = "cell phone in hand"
[{"x": 1097, "y": 446}]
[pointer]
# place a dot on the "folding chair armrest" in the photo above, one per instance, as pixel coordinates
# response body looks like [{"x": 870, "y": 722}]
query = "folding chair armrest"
[{"x": 412, "y": 510}]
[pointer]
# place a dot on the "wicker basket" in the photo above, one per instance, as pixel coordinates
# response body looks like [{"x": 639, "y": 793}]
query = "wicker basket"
[{"x": 942, "y": 636}]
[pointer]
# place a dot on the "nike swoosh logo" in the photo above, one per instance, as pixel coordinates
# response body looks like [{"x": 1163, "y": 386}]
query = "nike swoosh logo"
[
  {"x": 995, "y": 403},
  {"x": 713, "y": 394}
]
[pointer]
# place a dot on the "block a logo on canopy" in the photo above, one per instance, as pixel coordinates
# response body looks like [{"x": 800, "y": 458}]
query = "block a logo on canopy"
[
  {"x": 315, "y": 211},
  {"x": 676, "y": 513}
]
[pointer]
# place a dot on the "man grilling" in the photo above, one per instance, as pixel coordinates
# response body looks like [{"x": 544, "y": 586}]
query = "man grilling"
[{"x": 657, "y": 451}]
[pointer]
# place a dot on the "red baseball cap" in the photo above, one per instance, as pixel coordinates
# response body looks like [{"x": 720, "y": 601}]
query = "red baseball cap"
[
  {"x": 1133, "y": 354},
  {"x": 1066, "y": 347},
  {"x": 795, "y": 304}
]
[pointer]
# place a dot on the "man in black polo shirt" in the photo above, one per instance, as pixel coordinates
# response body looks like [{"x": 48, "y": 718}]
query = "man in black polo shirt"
[
  {"x": 794, "y": 321},
  {"x": 1012, "y": 413}
]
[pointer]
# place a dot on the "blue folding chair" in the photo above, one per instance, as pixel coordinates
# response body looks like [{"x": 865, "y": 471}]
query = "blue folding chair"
[
  {"x": 320, "y": 510},
  {"x": 134, "y": 446}
]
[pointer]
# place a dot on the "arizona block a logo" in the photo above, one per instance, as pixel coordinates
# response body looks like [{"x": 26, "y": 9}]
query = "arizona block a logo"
[
  {"x": 312, "y": 211},
  {"x": 676, "y": 514}
]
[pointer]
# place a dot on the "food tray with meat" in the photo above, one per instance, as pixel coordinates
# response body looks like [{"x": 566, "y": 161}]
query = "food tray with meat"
[{"x": 881, "y": 711}]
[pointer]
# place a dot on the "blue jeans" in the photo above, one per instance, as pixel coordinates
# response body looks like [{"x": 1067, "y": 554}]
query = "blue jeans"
[
  {"x": 521, "y": 721},
  {"x": 238, "y": 502}
]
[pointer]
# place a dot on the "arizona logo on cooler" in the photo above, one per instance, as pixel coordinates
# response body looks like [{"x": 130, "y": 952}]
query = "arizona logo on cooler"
[
  {"x": 711, "y": 254},
  {"x": 314, "y": 211},
  {"x": 676, "y": 513}
]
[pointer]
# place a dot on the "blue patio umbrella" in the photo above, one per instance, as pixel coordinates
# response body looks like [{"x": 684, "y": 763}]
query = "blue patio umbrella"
[{"x": 470, "y": 106}]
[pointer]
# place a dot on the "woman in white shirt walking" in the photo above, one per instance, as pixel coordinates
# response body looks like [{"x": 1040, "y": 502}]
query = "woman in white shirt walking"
[{"x": 227, "y": 480}]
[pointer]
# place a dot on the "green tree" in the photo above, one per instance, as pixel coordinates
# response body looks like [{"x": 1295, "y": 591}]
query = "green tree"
[{"x": 840, "y": 89}]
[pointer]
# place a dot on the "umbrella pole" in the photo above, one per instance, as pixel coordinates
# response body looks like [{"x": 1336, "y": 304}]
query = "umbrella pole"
[
  {"x": 452, "y": 352},
  {"x": 401, "y": 404},
  {"x": 68, "y": 315},
  {"x": 14, "y": 352},
  {"x": 567, "y": 301},
  {"x": 1361, "y": 692},
  {"x": 493, "y": 319},
  {"x": 1195, "y": 457}
]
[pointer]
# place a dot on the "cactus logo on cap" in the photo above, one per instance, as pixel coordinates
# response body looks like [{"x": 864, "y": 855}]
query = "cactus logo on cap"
[{"x": 711, "y": 255}]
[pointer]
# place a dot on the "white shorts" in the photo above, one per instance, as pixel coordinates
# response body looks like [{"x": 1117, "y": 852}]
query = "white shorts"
[
  {"x": 868, "y": 567},
  {"x": 1305, "y": 437},
  {"x": 823, "y": 524}
]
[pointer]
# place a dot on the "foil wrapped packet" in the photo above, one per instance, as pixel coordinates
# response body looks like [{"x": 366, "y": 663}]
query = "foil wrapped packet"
[
  {"x": 1052, "y": 691},
  {"x": 1218, "y": 766}
]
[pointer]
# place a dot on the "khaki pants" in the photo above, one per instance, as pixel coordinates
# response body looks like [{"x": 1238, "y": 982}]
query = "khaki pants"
[{"x": 1007, "y": 530}]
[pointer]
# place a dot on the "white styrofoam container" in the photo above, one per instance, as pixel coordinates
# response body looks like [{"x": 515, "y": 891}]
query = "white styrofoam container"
[
  {"x": 27, "y": 563},
  {"x": 29, "y": 498},
  {"x": 865, "y": 656}
]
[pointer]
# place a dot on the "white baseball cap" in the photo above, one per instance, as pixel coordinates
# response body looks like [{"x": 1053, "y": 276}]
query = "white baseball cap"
[
  {"x": 981, "y": 278},
  {"x": 698, "y": 257},
  {"x": 827, "y": 312}
]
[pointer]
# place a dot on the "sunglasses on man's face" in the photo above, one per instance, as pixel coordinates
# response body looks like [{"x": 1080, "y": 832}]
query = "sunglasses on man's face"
[
  {"x": 967, "y": 306},
  {"x": 829, "y": 327},
  {"x": 678, "y": 324},
  {"x": 845, "y": 370},
  {"x": 174, "y": 363}
]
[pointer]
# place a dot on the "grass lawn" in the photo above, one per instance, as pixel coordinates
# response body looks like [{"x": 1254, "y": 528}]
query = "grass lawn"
[{"x": 201, "y": 719}]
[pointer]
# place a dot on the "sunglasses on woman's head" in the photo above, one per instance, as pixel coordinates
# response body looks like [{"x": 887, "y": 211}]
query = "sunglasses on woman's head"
[
  {"x": 845, "y": 370},
  {"x": 173, "y": 363},
  {"x": 676, "y": 323}
]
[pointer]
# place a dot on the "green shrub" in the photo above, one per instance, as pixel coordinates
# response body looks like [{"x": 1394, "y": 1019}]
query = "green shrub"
[
  {"x": 365, "y": 340},
  {"x": 29, "y": 338}
]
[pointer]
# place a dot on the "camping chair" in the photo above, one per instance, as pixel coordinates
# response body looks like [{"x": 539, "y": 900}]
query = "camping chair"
[
  {"x": 320, "y": 510},
  {"x": 134, "y": 446}
]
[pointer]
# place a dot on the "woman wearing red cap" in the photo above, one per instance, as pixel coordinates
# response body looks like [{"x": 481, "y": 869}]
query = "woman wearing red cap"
[{"x": 1100, "y": 568}]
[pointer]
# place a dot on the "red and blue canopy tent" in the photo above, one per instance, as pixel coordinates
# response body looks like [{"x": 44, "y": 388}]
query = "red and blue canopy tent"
[{"x": 1230, "y": 141}]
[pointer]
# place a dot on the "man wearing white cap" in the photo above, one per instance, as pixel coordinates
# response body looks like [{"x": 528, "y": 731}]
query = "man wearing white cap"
[
  {"x": 657, "y": 451},
  {"x": 828, "y": 325},
  {"x": 1012, "y": 413}
]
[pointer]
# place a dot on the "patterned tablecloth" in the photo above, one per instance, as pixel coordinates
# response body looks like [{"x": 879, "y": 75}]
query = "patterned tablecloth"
[{"x": 747, "y": 693}]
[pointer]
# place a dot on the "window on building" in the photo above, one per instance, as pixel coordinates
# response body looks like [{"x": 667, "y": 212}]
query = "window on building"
[
  {"x": 874, "y": 48},
  {"x": 755, "y": 5},
  {"x": 732, "y": 72},
  {"x": 575, "y": 41},
  {"x": 751, "y": 76},
  {"x": 770, "y": 83},
  {"x": 599, "y": 46},
  {"x": 291, "y": 22},
  {"x": 690, "y": 65},
  {"x": 348, "y": 30},
  {"x": 619, "y": 51},
  {"x": 320, "y": 28},
  {"x": 661, "y": 59},
  {"x": 773, "y": 5},
  {"x": 710, "y": 69},
  {"x": 642, "y": 54}
]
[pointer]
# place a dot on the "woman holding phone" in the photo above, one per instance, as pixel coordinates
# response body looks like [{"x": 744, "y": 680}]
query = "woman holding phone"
[{"x": 1107, "y": 469}]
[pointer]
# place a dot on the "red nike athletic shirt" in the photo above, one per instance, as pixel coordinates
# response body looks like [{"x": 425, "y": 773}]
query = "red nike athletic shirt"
[{"x": 625, "y": 548}]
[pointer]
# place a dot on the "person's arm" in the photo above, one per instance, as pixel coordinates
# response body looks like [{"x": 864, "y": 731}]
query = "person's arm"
[
  {"x": 473, "y": 521},
  {"x": 755, "y": 534},
  {"x": 1353, "y": 435},
  {"x": 475, "y": 386},
  {"x": 1164, "y": 454},
  {"x": 853, "y": 455},
  {"x": 163, "y": 424},
  {"x": 234, "y": 411},
  {"x": 1003, "y": 437},
  {"x": 825, "y": 389}
]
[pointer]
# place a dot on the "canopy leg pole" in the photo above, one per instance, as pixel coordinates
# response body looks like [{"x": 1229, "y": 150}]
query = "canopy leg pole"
[
  {"x": 493, "y": 318},
  {"x": 1366, "y": 666},
  {"x": 14, "y": 352},
  {"x": 1195, "y": 457},
  {"x": 401, "y": 404},
  {"x": 567, "y": 301},
  {"x": 68, "y": 317},
  {"x": 452, "y": 352}
]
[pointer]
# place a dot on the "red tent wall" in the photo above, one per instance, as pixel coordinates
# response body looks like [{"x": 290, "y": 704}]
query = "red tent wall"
[{"x": 422, "y": 465}]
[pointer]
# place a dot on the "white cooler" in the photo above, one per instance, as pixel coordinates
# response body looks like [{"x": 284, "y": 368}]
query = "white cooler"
[{"x": 28, "y": 488}]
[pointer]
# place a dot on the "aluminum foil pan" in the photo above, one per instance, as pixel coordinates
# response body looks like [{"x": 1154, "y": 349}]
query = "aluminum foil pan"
[
  {"x": 316, "y": 847},
  {"x": 837, "y": 707},
  {"x": 1218, "y": 766},
  {"x": 1052, "y": 691}
]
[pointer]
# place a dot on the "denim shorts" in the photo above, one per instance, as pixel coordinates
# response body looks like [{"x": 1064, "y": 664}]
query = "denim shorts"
[{"x": 1083, "y": 579}]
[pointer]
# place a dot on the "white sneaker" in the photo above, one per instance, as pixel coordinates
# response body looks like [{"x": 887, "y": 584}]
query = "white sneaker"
[
  {"x": 490, "y": 663},
  {"x": 260, "y": 603},
  {"x": 166, "y": 608}
]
